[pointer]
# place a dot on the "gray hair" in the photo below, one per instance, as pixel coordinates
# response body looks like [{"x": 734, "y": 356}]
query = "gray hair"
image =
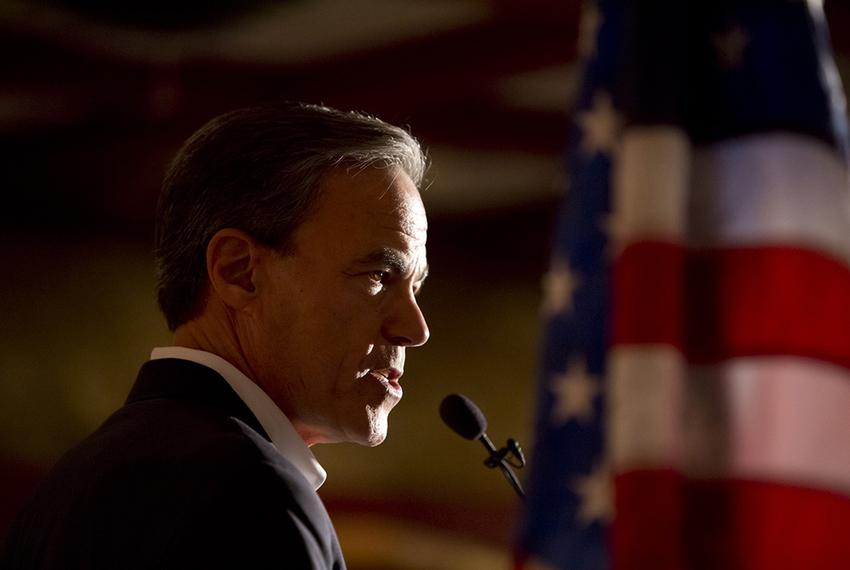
[{"x": 259, "y": 170}]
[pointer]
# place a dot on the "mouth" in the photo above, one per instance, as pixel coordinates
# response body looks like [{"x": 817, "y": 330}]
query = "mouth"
[{"x": 389, "y": 377}]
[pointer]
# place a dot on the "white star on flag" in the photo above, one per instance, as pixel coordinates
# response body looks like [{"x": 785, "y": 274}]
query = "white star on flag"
[
  {"x": 730, "y": 46},
  {"x": 596, "y": 496},
  {"x": 559, "y": 284},
  {"x": 588, "y": 29},
  {"x": 574, "y": 392},
  {"x": 600, "y": 126}
]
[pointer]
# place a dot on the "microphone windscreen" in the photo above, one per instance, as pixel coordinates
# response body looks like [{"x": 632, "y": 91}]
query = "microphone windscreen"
[{"x": 463, "y": 416}]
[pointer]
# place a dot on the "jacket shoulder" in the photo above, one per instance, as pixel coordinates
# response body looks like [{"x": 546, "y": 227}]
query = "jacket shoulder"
[{"x": 180, "y": 475}]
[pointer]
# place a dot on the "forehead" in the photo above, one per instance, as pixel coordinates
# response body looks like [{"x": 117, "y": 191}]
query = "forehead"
[{"x": 363, "y": 209}]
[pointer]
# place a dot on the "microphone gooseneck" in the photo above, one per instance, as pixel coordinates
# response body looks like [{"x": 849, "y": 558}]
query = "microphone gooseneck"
[{"x": 466, "y": 419}]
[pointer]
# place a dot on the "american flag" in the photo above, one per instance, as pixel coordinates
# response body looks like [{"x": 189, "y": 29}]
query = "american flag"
[{"x": 694, "y": 394}]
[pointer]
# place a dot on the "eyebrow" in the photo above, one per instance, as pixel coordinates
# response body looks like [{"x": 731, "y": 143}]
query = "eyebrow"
[{"x": 393, "y": 259}]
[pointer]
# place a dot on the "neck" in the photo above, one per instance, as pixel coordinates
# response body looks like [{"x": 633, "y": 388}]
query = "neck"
[
  {"x": 207, "y": 333},
  {"x": 214, "y": 331}
]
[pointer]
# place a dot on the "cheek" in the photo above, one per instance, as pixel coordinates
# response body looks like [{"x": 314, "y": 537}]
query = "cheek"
[
  {"x": 353, "y": 318},
  {"x": 280, "y": 331},
  {"x": 277, "y": 320},
  {"x": 324, "y": 331}
]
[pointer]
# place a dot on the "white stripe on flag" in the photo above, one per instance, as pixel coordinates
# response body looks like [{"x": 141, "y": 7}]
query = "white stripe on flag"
[
  {"x": 645, "y": 404},
  {"x": 649, "y": 199},
  {"x": 778, "y": 189},
  {"x": 783, "y": 419}
]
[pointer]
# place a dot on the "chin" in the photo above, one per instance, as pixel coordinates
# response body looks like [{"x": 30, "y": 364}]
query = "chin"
[
  {"x": 375, "y": 440},
  {"x": 375, "y": 431}
]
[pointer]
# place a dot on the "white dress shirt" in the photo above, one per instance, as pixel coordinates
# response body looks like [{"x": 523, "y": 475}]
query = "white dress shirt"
[{"x": 277, "y": 425}]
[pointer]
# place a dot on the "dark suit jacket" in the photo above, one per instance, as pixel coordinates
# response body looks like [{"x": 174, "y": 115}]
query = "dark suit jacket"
[{"x": 183, "y": 475}]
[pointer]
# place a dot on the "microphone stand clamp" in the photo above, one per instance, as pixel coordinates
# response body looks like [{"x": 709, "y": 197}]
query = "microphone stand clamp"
[{"x": 509, "y": 456}]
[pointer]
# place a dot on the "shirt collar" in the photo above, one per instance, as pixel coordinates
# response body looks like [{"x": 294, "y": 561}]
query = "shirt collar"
[{"x": 277, "y": 425}]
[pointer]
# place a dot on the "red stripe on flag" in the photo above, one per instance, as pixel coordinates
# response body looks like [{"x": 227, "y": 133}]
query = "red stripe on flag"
[
  {"x": 739, "y": 302},
  {"x": 647, "y": 289},
  {"x": 756, "y": 525},
  {"x": 777, "y": 300},
  {"x": 647, "y": 531},
  {"x": 729, "y": 524}
]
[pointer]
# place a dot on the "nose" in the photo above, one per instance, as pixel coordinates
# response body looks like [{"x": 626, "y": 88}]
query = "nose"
[{"x": 405, "y": 325}]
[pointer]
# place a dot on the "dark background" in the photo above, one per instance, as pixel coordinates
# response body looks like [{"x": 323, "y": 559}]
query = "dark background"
[{"x": 96, "y": 96}]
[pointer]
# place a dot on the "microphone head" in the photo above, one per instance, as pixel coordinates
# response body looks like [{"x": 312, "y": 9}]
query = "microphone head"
[{"x": 463, "y": 416}]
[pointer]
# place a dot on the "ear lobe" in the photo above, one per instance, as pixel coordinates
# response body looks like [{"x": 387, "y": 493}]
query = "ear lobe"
[{"x": 231, "y": 263}]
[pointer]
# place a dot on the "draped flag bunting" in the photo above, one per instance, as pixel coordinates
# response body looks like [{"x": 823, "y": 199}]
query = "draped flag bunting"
[{"x": 694, "y": 394}]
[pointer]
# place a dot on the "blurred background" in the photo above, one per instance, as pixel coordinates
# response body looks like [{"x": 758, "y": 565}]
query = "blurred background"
[{"x": 96, "y": 96}]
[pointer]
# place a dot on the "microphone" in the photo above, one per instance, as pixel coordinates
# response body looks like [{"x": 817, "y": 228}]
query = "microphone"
[{"x": 465, "y": 419}]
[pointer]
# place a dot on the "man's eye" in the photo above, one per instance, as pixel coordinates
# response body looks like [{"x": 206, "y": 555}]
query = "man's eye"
[{"x": 377, "y": 276}]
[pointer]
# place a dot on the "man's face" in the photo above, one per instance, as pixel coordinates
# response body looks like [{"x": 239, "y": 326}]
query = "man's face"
[{"x": 337, "y": 313}]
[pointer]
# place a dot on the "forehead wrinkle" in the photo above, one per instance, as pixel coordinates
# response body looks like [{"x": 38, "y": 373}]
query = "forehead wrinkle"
[
  {"x": 410, "y": 230},
  {"x": 404, "y": 217}
]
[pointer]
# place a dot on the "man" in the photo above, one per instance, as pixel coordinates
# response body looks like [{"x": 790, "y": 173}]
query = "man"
[{"x": 290, "y": 246}]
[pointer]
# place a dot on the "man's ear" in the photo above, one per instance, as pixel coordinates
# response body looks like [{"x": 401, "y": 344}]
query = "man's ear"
[{"x": 232, "y": 257}]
